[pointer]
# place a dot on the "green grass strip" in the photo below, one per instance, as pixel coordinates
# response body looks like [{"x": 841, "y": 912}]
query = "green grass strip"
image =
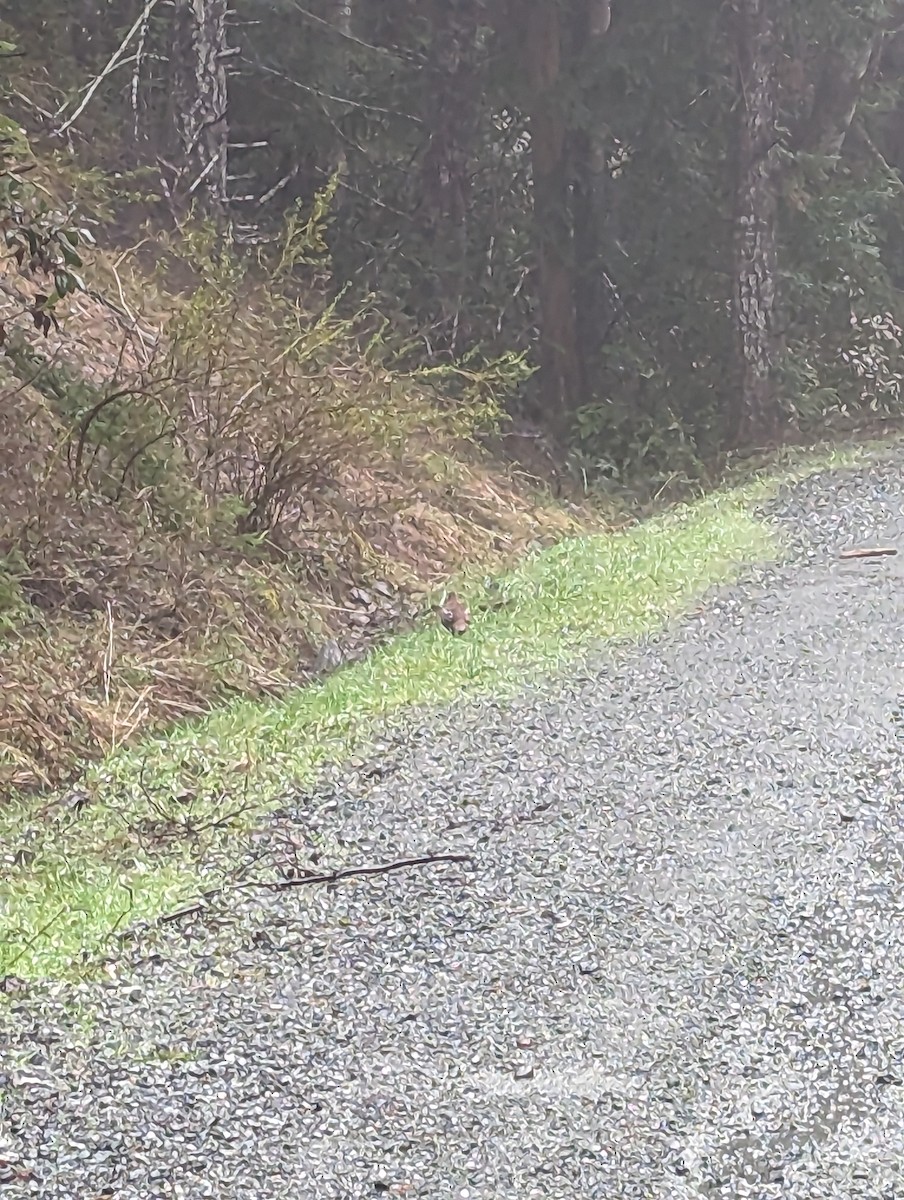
[{"x": 78, "y": 877}]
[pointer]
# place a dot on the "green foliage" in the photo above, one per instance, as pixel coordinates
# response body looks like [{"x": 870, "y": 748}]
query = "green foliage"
[
  {"x": 39, "y": 236},
  {"x": 476, "y": 389},
  {"x": 667, "y": 388},
  {"x": 304, "y": 242},
  {"x": 275, "y": 400},
  {"x": 120, "y": 438},
  {"x": 842, "y": 307}
]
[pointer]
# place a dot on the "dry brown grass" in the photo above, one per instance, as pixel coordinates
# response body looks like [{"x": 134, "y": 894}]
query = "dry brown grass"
[{"x": 122, "y": 612}]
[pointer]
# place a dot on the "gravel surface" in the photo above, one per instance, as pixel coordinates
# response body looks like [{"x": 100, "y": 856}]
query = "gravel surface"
[{"x": 673, "y": 969}]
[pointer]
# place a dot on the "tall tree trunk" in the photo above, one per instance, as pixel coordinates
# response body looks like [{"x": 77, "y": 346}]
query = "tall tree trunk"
[
  {"x": 445, "y": 166},
  {"x": 845, "y": 73},
  {"x": 756, "y": 219},
  {"x": 593, "y": 314},
  {"x": 891, "y": 124},
  {"x": 837, "y": 94},
  {"x": 561, "y": 383},
  {"x": 200, "y": 95}
]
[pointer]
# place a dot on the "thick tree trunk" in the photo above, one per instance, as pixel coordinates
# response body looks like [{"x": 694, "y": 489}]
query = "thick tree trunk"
[
  {"x": 593, "y": 315},
  {"x": 837, "y": 95},
  {"x": 756, "y": 218},
  {"x": 446, "y": 167},
  {"x": 201, "y": 98},
  {"x": 844, "y": 76},
  {"x": 561, "y": 383}
]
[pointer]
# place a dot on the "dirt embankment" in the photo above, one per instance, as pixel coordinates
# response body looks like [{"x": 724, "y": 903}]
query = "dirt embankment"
[{"x": 197, "y": 490}]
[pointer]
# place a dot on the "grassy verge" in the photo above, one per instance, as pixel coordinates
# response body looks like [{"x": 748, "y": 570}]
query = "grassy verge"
[{"x": 165, "y": 816}]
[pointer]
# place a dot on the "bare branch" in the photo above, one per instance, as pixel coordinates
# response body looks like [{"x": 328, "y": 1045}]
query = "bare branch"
[
  {"x": 112, "y": 63},
  {"x": 388, "y": 112},
  {"x": 350, "y": 37}
]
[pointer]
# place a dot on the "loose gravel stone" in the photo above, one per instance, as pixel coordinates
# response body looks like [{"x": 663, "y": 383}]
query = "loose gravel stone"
[{"x": 673, "y": 967}]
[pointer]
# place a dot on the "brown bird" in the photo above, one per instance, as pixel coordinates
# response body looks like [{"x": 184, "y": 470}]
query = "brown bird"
[{"x": 453, "y": 615}]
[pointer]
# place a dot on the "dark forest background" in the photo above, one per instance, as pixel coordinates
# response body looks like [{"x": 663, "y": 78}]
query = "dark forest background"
[{"x": 688, "y": 213}]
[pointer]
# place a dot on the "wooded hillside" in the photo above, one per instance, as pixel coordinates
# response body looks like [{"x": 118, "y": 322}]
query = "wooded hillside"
[
  {"x": 281, "y": 276},
  {"x": 688, "y": 213}
]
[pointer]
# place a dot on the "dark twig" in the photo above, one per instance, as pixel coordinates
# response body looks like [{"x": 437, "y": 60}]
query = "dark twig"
[
  {"x": 351, "y": 872},
  {"x": 869, "y": 552},
  {"x": 35, "y": 936},
  {"x": 202, "y": 902}
]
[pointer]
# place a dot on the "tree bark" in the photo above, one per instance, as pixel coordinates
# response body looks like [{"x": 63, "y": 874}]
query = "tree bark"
[
  {"x": 445, "y": 169},
  {"x": 756, "y": 220},
  {"x": 891, "y": 124},
  {"x": 844, "y": 75},
  {"x": 837, "y": 94},
  {"x": 593, "y": 315},
  {"x": 560, "y": 376},
  {"x": 200, "y": 94}
]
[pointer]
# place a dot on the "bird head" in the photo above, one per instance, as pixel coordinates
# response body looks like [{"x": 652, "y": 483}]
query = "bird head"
[{"x": 453, "y": 614}]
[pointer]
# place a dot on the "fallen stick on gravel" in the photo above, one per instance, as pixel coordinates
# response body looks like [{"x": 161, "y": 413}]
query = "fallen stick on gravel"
[
  {"x": 869, "y": 552},
  {"x": 350, "y": 872},
  {"x": 280, "y": 885}
]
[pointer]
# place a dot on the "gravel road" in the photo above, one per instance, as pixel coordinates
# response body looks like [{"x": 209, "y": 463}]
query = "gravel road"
[{"x": 673, "y": 969}]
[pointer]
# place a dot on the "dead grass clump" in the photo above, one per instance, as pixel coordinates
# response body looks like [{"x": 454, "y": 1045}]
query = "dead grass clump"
[
  {"x": 106, "y": 655},
  {"x": 196, "y": 494}
]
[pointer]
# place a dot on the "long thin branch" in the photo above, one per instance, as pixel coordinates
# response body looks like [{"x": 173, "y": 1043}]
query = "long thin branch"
[
  {"x": 201, "y": 904},
  {"x": 111, "y": 66},
  {"x": 389, "y": 112},
  {"x": 351, "y": 872},
  {"x": 350, "y": 37},
  {"x": 869, "y": 552}
]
